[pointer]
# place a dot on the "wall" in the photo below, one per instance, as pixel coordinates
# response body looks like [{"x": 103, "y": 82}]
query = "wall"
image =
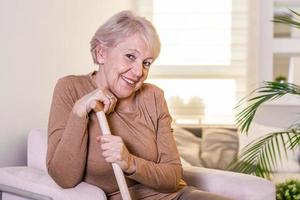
[{"x": 40, "y": 42}]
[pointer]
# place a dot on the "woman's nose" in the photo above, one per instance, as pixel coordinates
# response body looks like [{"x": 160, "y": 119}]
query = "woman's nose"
[{"x": 137, "y": 70}]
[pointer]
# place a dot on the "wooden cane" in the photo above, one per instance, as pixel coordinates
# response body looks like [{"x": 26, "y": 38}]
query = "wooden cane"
[{"x": 117, "y": 169}]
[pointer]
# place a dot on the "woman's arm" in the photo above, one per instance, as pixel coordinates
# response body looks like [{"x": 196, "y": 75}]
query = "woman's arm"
[
  {"x": 165, "y": 174},
  {"x": 67, "y": 137}
]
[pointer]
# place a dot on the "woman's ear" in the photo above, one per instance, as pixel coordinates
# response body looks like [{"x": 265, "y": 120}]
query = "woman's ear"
[{"x": 100, "y": 54}]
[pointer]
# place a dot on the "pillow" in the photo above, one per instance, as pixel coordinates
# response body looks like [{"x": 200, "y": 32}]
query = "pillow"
[
  {"x": 219, "y": 147},
  {"x": 188, "y": 146}
]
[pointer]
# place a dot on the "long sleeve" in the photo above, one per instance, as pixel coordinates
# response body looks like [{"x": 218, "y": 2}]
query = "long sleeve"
[
  {"x": 165, "y": 174},
  {"x": 67, "y": 137}
]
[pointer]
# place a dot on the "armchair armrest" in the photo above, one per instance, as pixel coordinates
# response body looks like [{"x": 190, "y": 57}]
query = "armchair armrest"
[
  {"x": 33, "y": 183},
  {"x": 22, "y": 193},
  {"x": 235, "y": 185}
]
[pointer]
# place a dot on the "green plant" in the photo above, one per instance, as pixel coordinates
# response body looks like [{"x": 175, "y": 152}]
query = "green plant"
[
  {"x": 289, "y": 190},
  {"x": 280, "y": 79},
  {"x": 263, "y": 154},
  {"x": 291, "y": 20},
  {"x": 260, "y": 156}
]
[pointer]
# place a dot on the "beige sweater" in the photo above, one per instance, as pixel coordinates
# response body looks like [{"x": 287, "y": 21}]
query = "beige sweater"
[{"x": 74, "y": 155}]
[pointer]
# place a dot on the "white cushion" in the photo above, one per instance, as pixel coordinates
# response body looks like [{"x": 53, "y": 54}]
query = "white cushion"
[
  {"x": 235, "y": 185},
  {"x": 188, "y": 146},
  {"x": 216, "y": 149},
  {"x": 8, "y": 196},
  {"x": 219, "y": 147},
  {"x": 38, "y": 181},
  {"x": 37, "y": 149}
]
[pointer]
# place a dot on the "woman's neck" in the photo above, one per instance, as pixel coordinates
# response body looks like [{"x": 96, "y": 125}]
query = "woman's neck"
[
  {"x": 100, "y": 79},
  {"x": 126, "y": 105}
]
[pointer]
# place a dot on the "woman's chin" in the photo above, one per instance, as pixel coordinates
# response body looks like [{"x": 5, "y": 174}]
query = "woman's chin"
[{"x": 124, "y": 94}]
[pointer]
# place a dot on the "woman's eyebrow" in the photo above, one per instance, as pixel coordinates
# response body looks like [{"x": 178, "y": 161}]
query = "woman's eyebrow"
[
  {"x": 149, "y": 58},
  {"x": 135, "y": 50}
]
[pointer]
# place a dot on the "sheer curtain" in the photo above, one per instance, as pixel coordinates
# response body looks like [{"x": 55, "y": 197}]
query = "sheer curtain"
[{"x": 203, "y": 62}]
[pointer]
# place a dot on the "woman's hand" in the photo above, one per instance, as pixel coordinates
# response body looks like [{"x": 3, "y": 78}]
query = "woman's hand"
[
  {"x": 115, "y": 151},
  {"x": 86, "y": 103}
]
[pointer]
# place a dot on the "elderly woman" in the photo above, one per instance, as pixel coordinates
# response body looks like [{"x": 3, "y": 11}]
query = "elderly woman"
[{"x": 142, "y": 143}]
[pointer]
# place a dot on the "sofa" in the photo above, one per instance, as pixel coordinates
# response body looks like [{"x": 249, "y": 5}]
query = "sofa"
[{"x": 33, "y": 182}]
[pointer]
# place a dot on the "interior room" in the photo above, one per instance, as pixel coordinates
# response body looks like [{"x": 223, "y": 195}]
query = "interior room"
[{"x": 214, "y": 54}]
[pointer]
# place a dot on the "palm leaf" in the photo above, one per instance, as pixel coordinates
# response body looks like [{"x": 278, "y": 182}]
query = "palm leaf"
[
  {"x": 269, "y": 91},
  {"x": 296, "y": 13},
  {"x": 263, "y": 154},
  {"x": 288, "y": 19},
  {"x": 260, "y": 156},
  {"x": 295, "y": 139}
]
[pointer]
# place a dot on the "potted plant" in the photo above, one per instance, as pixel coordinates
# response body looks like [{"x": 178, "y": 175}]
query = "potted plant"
[
  {"x": 288, "y": 190},
  {"x": 261, "y": 156}
]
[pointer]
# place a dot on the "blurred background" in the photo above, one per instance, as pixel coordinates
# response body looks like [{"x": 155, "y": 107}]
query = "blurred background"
[{"x": 213, "y": 53}]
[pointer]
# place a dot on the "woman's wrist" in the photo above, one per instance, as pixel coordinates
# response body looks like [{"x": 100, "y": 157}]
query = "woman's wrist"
[{"x": 131, "y": 167}]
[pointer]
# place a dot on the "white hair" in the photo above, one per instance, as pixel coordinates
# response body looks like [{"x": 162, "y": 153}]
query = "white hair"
[{"x": 122, "y": 25}]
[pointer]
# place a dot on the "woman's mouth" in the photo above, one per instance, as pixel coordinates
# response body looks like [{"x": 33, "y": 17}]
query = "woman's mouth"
[{"x": 129, "y": 81}]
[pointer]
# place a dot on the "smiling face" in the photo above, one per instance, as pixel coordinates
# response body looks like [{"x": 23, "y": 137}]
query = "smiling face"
[{"x": 126, "y": 66}]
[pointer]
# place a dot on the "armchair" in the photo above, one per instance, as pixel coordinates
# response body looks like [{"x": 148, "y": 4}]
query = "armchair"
[{"x": 33, "y": 182}]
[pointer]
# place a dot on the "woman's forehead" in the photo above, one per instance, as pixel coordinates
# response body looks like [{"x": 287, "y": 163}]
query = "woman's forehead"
[{"x": 135, "y": 43}]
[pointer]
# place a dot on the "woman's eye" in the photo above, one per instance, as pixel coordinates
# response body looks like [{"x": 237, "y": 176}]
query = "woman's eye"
[
  {"x": 147, "y": 64},
  {"x": 130, "y": 56}
]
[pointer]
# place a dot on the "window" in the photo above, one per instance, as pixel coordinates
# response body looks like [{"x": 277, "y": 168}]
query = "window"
[
  {"x": 203, "y": 61},
  {"x": 193, "y": 32},
  {"x": 191, "y": 101}
]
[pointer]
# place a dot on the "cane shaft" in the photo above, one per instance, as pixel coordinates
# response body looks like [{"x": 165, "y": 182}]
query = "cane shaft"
[{"x": 117, "y": 169}]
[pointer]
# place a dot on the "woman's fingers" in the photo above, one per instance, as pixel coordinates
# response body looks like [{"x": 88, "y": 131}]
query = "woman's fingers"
[
  {"x": 106, "y": 98},
  {"x": 112, "y": 102},
  {"x": 110, "y": 159},
  {"x": 111, "y": 142},
  {"x": 114, "y": 150},
  {"x": 113, "y": 154},
  {"x": 88, "y": 102},
  {"x": 110, "y": 138}
]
